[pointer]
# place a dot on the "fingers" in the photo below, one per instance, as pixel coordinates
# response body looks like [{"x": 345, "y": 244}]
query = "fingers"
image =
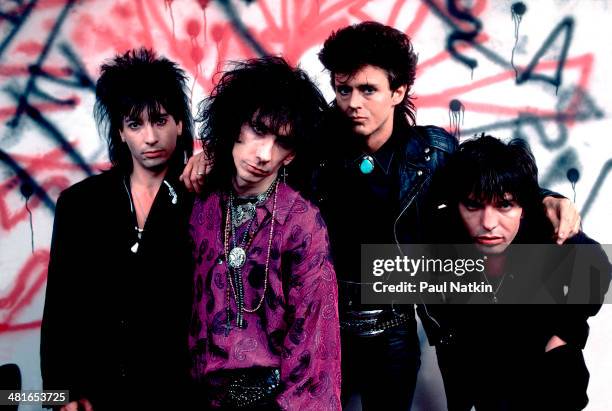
[
  {"x": 195, "y": 171},
  {"x": 199, "y": 171},
  {"x": 552, "y": 213},
  {"x": 196, "y": 178},
  {"x": 569, "y": 220},
  {"x": 185, "y": 176}
]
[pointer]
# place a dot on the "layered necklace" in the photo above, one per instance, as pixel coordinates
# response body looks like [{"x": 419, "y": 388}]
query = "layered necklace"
[{"x": 236, "y": 216}]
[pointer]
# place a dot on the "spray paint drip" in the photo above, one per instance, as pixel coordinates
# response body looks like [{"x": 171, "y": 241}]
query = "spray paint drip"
[
  {"x": 169, "y": 7},
  {"x": 456, "y": 115},
  {"x": 193, "y": 29},
  {"x": 26, "y": 191},
  {"x": 573, "y": 176},
  {"x": 517, "y": 9}
]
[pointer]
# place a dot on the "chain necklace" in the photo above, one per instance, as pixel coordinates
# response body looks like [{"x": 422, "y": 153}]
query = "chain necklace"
[
  {"x": 246, "y": 211},
  {"x": 495, "y": 299},
  {"x": 236, "y": 259}
]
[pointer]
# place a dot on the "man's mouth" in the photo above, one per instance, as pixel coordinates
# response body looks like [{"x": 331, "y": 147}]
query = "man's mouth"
[
  {"x": 153, "y": 153},
  {"x": 489, "y": 240},
  {"x": 256, "y": 171}
]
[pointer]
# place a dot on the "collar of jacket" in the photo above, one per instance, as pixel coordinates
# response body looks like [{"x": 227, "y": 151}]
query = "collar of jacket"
[{"x": 422, "y": 148}]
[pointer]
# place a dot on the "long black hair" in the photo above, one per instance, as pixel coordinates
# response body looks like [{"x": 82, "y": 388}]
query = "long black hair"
[
  {"x": 135, "y": 81},
  {"x": 486, "y": 169},
  {"x": 266, "y": 92}
]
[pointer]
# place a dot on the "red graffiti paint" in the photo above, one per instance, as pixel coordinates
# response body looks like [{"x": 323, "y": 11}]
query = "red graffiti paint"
[
  {"x": 8, "y": 112},
  {"x": 193, "y": 28},
  {"x": 28, "y": 283},
  {"x": 49, "y": 170}
]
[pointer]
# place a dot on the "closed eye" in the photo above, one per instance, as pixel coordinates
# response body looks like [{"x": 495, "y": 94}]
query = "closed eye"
[{"x": 258, "y": 128}]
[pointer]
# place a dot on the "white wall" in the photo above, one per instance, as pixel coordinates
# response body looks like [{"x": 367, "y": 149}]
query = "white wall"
[{"x": 567, "y": 128}]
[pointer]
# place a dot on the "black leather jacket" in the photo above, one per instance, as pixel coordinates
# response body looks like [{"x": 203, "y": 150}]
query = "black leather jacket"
[{"x": 424, "y": 149}]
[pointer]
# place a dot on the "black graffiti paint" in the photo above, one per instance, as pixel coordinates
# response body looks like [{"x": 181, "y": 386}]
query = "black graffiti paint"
[
  {"x": 585, "y": 110},
  {"x": 16, "y": 17},
  {"x": 26, "y": 180},
  {"x": 456, "y": 112},
  {"x": 458, "y": 35},
  {"x": 518, "y": 10},
  {"x": 241, "y": 28},
  {"x": 603, "y": 174},
  {"x": 557, "y": 171},
  {"x": 489, "y": 54},
  {"x": 565, "y": 28},
  {"x": 573, "y": 176},
  {"x": 26, "y": 98}
]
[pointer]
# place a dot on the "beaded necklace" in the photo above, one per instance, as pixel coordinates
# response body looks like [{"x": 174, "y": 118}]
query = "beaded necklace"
[{"x": 236, "y": 259}]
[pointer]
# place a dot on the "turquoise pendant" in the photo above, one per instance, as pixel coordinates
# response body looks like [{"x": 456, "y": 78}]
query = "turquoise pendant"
[{"x": 367, "y": 165}]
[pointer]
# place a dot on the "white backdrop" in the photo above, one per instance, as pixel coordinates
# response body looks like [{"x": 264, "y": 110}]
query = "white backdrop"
[{"x": 556, "y": 97}]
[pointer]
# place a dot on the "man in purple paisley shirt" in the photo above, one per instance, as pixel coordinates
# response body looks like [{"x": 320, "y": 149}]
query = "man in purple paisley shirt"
[{"x": 264, "y": 332}]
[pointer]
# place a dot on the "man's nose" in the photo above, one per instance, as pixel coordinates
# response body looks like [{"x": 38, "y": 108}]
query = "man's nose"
[
  {"x": 489, "y": 218},
  {"x": 355, "y": 100},
  {"x": 150, "y": 134},
  {"x": 264, "y": 150}
]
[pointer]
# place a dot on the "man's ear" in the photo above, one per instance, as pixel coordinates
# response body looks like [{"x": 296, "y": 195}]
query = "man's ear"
[
  {"x": 289, "y": 158},
  {"x": 397, "y": 95}
]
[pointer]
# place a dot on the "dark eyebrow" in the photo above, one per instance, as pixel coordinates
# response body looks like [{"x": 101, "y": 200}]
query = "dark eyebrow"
[
  {"x": 471, "y": 202},
  {"x": 158, "y": 116},
  {"x": 367, "y": 85},
  {"x": 131, "y": 118}
]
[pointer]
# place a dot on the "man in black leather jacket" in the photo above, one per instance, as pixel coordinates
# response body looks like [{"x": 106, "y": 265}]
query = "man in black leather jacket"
[
  {"x": 372, "y": 187},
  {"x": 524, "y": 351}
]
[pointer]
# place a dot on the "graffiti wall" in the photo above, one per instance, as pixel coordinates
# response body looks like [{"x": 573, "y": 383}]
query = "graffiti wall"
[{"x": 534, "y": 69}]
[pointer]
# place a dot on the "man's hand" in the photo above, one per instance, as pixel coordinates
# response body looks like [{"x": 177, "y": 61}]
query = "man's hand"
[
  {"x": 82, "y": 404},
  {"x": 196, "y": 169},
  {"x": 564, "y": 217},
  {"x": 553, "y": 343}
]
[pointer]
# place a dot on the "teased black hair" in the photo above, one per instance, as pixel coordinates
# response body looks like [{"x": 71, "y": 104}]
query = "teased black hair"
[
  {"x": 486, "y": 168},
  {"x": 135, "y": 81},
  {"x": 351, "y": 48},
  {"x": 267, "y": 92}
]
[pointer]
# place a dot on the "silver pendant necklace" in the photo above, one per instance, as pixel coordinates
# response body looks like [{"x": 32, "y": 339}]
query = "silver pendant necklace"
[{"x": 494, "y": 299}]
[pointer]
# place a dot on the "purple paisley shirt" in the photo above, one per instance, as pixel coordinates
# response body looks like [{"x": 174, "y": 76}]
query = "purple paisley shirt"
[{"x": 296, "y": 329}]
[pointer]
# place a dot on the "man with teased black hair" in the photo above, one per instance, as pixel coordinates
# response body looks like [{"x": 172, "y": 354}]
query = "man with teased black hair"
[
  {"x": 523, "y": 349},
  {"x": 114, "y": 329}
]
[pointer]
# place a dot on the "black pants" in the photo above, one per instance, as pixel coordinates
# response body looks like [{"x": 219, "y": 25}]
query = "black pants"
[
  {"x": 382, "y": 368},
  {"x": 508, "y": 379}
]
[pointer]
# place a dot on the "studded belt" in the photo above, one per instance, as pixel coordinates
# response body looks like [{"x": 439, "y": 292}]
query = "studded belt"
[
  {"x": 252, "y": 388},
  {"x": 373, "y": 322}
]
